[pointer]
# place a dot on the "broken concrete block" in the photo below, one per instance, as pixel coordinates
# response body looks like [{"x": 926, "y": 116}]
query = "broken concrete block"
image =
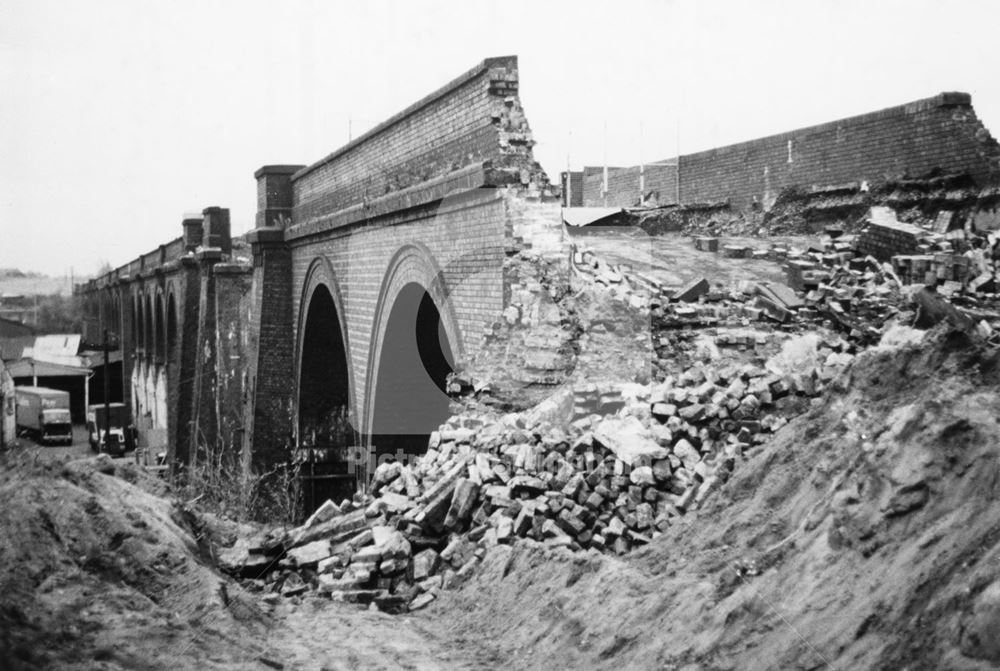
[
  {"x": 687, "y": 453},
  {"x": 392, "y": 566},
  {"x": 462, "y": 502},
  {"x": 615, "y": 527},
  {"x": 371, "y": 554},
  {"x": 642, "y": 475},
  {"x": 327, "y": 511},
  {"x": 386, "y": 473},
  {"x": 570, "y": 523},
  {"x": 692, "y": 291},
  {"x": 628, "y": 440},
  {"x": 423, "y": 565},
  {"x": 421, "y": 601},
  {"x": 396, "y": 503},
  {"x": 528, "y": 484},
  {"x": 664, "y": 410},
  {"x": 692, "y": 413},
  {"x": 310, "y": 553}
]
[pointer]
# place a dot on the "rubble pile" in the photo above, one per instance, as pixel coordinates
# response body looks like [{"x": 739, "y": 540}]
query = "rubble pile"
[
  {"x": 601, "y": 467},
  {"x": 806, "y": 210},
  {"x": 845, "y": 286}
]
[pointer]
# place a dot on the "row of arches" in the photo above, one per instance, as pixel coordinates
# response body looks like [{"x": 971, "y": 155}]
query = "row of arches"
[
  {"x": 413, "y": 348},
  {"x": 154, "y": 325}
]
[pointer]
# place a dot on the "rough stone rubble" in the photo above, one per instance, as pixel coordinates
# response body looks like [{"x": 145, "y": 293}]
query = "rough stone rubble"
[{"x": 608, "y": 467}]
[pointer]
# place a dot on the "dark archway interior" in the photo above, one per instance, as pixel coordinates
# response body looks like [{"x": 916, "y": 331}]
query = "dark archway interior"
[
  {"x": 147, "y": 323},
  {"x": 324, "y": 406},
  {"x": 140, "y": 326},
  {"x": 416, "y": 358},
  {"x": 171, "y": 330},
  {"x": 158, "y": 340},
  {"x": 323, "y": 389}
]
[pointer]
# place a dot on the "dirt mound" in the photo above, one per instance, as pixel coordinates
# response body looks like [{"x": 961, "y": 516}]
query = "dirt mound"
[
  {"x": 98, "y": 570},
  {"x": 865, "y": 535},
  {"x": 95, "y": 572}
]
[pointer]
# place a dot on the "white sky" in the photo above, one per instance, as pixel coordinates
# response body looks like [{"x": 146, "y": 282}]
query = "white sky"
[{"x": 116, "y": 117}]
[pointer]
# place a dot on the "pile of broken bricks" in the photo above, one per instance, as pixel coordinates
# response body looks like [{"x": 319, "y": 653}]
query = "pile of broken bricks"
[{"x": 565, "y": 474}]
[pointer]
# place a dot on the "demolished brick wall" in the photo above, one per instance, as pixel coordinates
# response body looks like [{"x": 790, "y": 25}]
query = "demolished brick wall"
[
  {"x": 658, "y": 180},
  {"x": 937, "y": 133}
]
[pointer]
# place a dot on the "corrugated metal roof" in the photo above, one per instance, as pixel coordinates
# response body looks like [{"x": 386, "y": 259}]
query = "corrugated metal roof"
[
  {"x": 29, "y": 367},
  {"x": 585, "y": 216}
]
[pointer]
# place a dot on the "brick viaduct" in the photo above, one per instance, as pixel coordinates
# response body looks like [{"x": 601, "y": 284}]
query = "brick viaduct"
[
  {"x": 375, "y": 271},
  {"x": 370, "y": 275}
]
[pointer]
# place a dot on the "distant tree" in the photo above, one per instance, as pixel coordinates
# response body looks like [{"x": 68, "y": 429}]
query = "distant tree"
[{"x": 59, "y": 314}]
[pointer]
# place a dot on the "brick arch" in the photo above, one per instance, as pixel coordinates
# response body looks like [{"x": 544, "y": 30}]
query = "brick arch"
[
  {"x": 412, "y": 264},
  {"x": 322, "y": 274},
  {"x": 171, "y": 324},
  {"x": 136, "y": 321},
  {"x": 116, "y": 312},
  {"x": 149, "y": 323},
  {"x": 159, "y": 327}
]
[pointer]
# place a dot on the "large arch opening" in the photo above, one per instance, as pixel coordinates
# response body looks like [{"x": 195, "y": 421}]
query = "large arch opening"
[
  {"x": 414, "y": 362},
  {"x": 326, "y": 426}
]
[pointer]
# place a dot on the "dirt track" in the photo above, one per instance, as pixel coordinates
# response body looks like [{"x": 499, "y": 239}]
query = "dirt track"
[{"x": 99, "y": 571}]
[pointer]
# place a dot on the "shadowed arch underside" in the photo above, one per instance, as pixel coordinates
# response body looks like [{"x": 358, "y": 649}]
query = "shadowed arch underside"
[
  {"x": 325, "y": 422},
  {"x": 414, "y": 362}
]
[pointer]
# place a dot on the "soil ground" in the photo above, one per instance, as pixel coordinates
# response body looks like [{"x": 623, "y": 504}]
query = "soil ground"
[
  {"x": 865, "y": 535},
  {"x": 99, "y": 570}
]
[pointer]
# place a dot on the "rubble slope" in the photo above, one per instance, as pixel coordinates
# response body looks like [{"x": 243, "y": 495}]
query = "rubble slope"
[{"x": 865, "y": 535}]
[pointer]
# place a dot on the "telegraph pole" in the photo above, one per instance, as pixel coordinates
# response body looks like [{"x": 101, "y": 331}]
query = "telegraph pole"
[
  {"x": 107, "y": 390},
  {"x": 106, "y": 346}
]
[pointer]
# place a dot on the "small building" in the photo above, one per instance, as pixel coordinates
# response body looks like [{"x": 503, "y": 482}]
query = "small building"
[
  {"x": 14, "y": 329},
  {"x": 51, "y": 361}
]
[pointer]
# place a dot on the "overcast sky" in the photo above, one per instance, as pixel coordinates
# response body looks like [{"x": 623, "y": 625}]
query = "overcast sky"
[{"x": 119, "y": 116}]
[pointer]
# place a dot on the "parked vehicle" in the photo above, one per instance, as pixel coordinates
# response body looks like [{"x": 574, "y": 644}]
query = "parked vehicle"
[
  {"x": 118, "y": 439},
  {"x": 43, "y": 413}
]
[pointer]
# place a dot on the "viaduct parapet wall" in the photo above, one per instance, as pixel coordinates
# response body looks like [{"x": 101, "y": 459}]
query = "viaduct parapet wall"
[{"x": 937, "y": 133}]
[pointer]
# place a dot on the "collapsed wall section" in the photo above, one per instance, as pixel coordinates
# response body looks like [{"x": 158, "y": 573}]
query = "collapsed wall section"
[{"x": 475, "y": 120}]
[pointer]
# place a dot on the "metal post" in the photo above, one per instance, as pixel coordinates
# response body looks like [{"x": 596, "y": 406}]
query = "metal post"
[{"x": 107, "y": 392}]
